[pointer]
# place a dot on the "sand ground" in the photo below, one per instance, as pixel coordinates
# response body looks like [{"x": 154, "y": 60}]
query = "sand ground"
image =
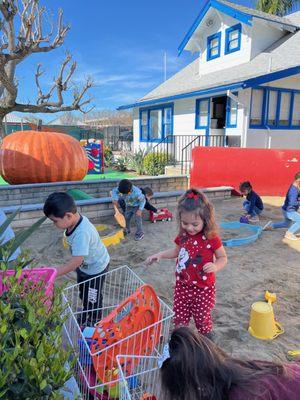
[{"x": 271, "y": 263}]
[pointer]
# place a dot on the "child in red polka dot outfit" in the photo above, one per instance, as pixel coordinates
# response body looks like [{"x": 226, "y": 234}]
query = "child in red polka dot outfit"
[{"x": 200, "y": 254}]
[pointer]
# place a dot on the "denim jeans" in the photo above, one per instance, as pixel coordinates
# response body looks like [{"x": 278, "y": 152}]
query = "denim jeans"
[
  {"x": 129, "y": 213},
  {"x": 256, "y": 210},
  {"x": 289, "y": 218}
]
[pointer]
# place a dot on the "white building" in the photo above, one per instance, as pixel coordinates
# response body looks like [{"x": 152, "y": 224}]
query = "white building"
[{"x": 242, "y": 90}]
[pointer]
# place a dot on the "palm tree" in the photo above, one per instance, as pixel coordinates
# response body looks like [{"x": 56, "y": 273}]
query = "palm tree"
[{"x": 277, "y": 7}]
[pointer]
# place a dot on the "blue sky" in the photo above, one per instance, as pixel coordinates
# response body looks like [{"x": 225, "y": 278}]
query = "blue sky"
[{"x": 119, "y": 43}]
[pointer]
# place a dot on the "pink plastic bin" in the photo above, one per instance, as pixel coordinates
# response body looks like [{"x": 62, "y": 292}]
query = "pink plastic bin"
[{"x": 34, "y": 276}]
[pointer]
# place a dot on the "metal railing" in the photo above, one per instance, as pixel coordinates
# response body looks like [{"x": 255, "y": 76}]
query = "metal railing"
[
  {"x": 201, "y": 140},
  {"x": 178, "y": 148}
]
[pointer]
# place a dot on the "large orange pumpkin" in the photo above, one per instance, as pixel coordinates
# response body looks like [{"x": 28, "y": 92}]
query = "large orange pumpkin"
[{"x": 39, "y": 156}]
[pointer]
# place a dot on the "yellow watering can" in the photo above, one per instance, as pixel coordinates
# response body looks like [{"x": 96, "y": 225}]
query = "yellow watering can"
[{"x": 262, "y": 321}]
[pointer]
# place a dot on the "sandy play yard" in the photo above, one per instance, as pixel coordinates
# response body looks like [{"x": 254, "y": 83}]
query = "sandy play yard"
[{"x": 271, "y": 264}]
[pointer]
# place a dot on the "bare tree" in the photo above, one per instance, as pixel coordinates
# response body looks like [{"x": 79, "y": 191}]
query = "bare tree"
[{"x": 22, "y": 25}]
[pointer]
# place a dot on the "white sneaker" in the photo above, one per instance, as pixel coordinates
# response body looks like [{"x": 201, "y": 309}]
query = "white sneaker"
[
  {"x": 290, "y": 236},
  {"x": 268, "y": 226},
  {"x": 254, "y": 219}
]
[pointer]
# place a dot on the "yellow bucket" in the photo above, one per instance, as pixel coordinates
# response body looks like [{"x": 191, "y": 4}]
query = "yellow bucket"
[{"x": 262, "y": 321}]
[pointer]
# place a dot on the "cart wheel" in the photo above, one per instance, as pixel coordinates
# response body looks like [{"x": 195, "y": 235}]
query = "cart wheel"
[
  {"x": 154, "y": 221},
  {"x": 169, "y": 219}
]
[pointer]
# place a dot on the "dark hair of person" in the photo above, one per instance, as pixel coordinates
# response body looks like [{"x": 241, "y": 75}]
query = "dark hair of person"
[
  {"x": 58, "y": 204},
  {"x": 297, "y": 175},
  {"x": 148, "y": 191},
  {"x": 199, "y": 369},
  {"x": 125, "y": 186},
  {"x": 245, "y": 186},
  {"x": 195, "y": 201}
]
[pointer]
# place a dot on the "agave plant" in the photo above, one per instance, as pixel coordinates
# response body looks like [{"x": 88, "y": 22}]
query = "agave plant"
[
  {"x": 8, "y": 248},
  {"x": 136, "y": 161}
]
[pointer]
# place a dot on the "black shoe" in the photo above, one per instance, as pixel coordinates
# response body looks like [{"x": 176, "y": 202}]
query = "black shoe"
[{"x": 139, "y": 236}]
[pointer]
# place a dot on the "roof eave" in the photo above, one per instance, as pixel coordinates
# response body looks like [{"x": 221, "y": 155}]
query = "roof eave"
[
  {"x": 201, "y": 92},
  {"x": 239, "y": 15},
  {"x": 243, "y": 17}
]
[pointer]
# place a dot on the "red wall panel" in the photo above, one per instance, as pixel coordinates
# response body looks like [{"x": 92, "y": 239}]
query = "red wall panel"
[{"x": 270, "y": 171}]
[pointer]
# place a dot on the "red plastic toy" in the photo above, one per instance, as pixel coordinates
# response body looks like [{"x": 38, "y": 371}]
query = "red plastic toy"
[{"x": 163, "y": 214}]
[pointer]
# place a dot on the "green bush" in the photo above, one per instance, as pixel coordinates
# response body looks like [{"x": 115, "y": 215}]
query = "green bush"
[
  {"x": 32, "y": 356},
  {"x": 155, "y": 163},
  {"x": 108, "y": 156},
  {"x": 136, "y": 161}
]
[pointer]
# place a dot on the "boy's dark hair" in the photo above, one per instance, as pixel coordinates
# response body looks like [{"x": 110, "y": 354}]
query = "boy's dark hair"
[
  {"x": 125, "y": 186},
  {"x": 297, "y": 176},
  {"x": 58, "y": 204},
  {"x": 245, "y": 186},
  {"x": 148, "y": 191}
]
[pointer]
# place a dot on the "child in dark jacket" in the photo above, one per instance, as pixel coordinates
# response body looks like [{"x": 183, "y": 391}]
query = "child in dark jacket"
[
  {"x": 253, "y": 204},
  {"x": 290, "y": 211},
  {"x": 148, "y": 193}
]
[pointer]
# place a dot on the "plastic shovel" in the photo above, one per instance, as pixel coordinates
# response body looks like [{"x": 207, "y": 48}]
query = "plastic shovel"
[{"x": 119, "y": 218}]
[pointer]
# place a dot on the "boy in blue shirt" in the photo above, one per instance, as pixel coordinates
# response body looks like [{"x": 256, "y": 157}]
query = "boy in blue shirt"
[
  {"x": 290, "y": 211},
  {"x": 253, "y": 204},
  {"x": 90, "y": 257},
  {"x": 134, "y": 204}
]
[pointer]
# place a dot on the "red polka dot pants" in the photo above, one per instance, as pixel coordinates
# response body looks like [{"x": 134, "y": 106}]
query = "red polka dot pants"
[{"x": 196, "y": 302}]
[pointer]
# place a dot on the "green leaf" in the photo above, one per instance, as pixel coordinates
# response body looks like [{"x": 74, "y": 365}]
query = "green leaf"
[
  {"x": 8, "y": 221},
  {"x": 3, "y": 328},
  {"x": 43, "y": 384},
  {"x": 23, "y": 332},
  {"x": 21, "y": 236}
]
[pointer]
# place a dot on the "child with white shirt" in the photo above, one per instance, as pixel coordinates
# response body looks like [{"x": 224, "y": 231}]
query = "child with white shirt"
[{"x": 90, "y": 257}]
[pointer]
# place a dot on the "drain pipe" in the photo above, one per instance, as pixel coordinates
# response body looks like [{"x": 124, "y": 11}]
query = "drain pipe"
[
  {"x": 269, "y": 137},
  {"x": 236, "y": 99}
]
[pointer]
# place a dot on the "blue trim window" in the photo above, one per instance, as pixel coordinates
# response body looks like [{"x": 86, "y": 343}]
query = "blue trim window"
[
  {"x": 284, "y": 109},
  {"x": 167, "y": 121},
  {"x": 144, "y": 125},
  {"x": 202, "y": 113},
  {"x": 231, "y": 113},
  {"x": 272, "y": 108},
  {"x": 257, "y": 108},
  {"x": 214, "y": 46},
  {"x": 156, "y": 123},
  {"x": 275, "y": 108},
  {"x": 233, "y": 37},
  {"x": 296, "y": 109}
]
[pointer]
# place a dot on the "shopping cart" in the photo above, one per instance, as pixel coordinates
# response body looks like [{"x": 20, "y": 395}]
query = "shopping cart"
[
  {"x": 118, "y": 285},
  {"x": 141, "y": 383}
]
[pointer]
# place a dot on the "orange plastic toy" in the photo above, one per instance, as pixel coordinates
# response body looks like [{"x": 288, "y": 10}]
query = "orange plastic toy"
[{"x": 131, "y": 329}]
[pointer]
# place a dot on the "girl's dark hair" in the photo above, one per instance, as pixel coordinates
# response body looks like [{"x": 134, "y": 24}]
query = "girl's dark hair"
[
  {"x": 297, "y": 175},
  {"x": 58, "y": 204},
  {"x": 125, "y": 186},
  {"x": 199, "y": 369},
  {"x": 245, "y": 186},
  {"x": 195, "y": 201}
]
